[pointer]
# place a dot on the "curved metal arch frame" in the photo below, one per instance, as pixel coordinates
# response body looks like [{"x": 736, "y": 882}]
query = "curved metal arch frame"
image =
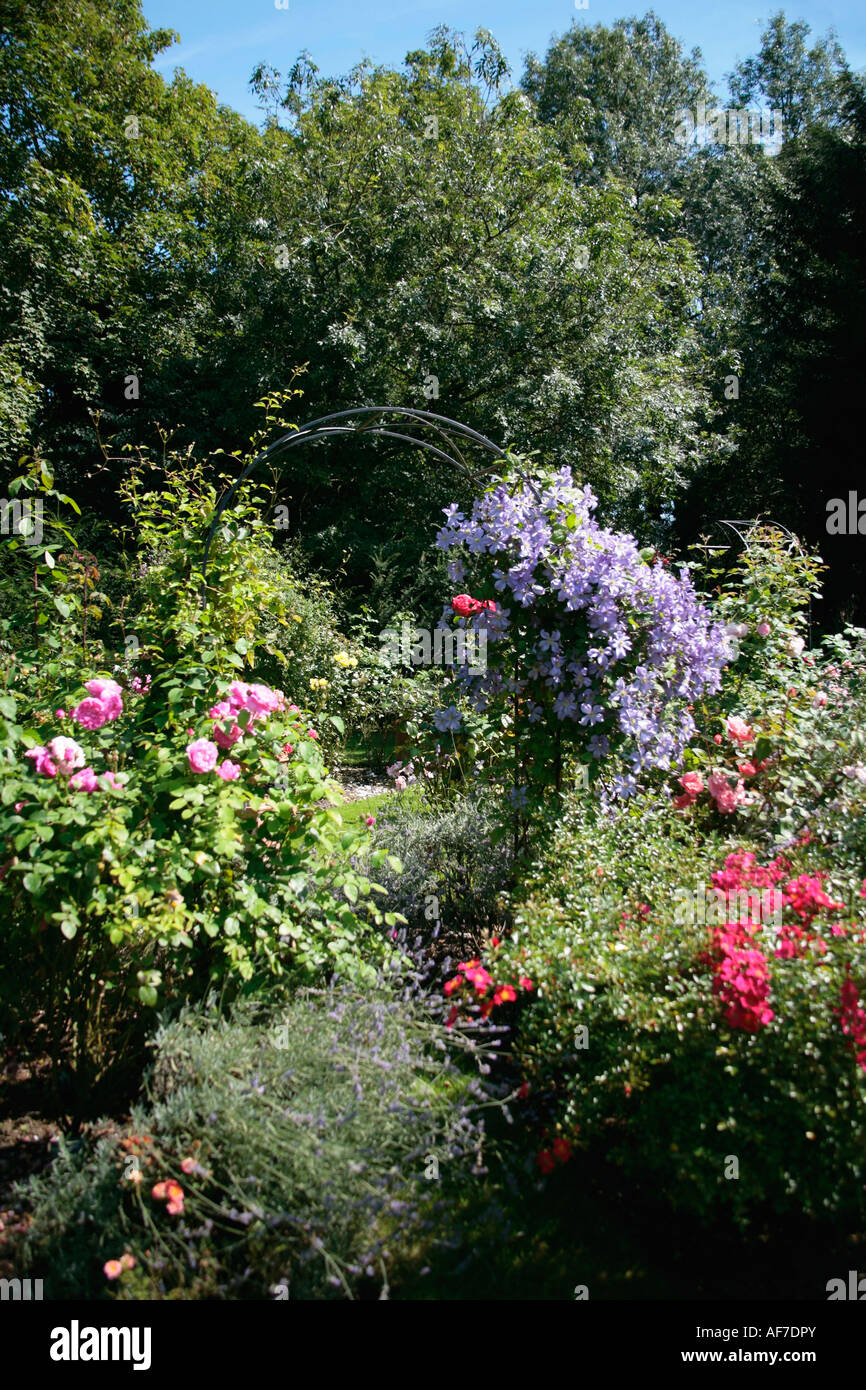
[
  {"x": 327, "y": 426},
  {"x": 750, "y": 525}
]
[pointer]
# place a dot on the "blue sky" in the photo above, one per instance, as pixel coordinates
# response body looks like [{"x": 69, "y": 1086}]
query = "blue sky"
[{"x": 222, "y": 40}]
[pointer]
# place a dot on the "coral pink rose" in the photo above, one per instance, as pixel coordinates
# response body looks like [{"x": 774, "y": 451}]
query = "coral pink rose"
[
  {"x": 466, "y": 606},
  {"x": 726, "y": 797},
  {"x": 739, "y": 731},
  {"x": 692, "y": 782}
]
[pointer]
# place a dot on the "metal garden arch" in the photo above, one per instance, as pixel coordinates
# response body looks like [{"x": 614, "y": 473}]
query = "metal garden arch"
[{"x": 368, "y": 420}]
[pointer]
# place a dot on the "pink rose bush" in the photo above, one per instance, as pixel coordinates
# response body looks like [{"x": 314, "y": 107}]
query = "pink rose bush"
[
  {"x": 257, "y": 703},
  {"x": 726, "y": 789}
]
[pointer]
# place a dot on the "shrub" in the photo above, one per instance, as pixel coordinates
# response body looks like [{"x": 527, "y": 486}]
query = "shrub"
[
  {"x": 452, "y": 867},
  {"x": 137, "y": 870},
  {"x": 283, "y": 1148},
  {"x": 717, "y": 1054}
]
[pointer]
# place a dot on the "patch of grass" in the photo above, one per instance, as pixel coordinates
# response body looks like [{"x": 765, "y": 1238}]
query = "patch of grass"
[{"x": 355, "y": 812}]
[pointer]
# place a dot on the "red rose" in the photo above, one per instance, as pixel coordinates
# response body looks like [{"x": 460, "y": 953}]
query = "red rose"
[{"x": 466, "y": 606}]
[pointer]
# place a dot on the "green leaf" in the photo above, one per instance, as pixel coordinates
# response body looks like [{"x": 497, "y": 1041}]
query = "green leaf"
[{"x": 62, "y": 606}]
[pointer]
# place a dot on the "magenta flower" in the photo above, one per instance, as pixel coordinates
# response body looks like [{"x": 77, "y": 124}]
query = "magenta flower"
[
  {"x": 202, "y": 755},
  {"x": 227, "y": 738},
  {"x": 84, "y": 781},
  {"x": 109, "y": 693},
  {"x": 91, "y": 713},
  {"x": 238, "y": 693},
  {"x": 262, "y": 700},
  {"x": 228, "y": 771},
  {"x": 42, "y": 761}
]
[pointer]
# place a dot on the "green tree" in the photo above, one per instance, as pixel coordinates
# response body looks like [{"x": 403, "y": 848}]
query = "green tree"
[
  {"x": 803, "y": 83},
  {"x": 615, "y": 96}
]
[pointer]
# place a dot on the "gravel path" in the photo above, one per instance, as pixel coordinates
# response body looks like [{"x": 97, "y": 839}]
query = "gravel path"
[{"x": 361, "y": 782}]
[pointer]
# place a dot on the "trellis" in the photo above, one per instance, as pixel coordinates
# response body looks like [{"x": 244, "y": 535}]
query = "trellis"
[{"x": 376, "y": 420}]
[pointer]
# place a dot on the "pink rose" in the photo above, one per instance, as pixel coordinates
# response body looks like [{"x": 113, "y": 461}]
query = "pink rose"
[
  {"x": 262, "y": 700},
  {"x": 227, "y": 738},
  {"x": 109, "y": 693},
  {"x": 312, "y": 733},
  {"x": 117, "y": 781},
  {"x": 820, "y": 699},
  {"x": 42, "y": 761},
  {"x": 692, "y": 782},
  {"x": 682, "y": 801},
  {"x": 238, "y": 694},
  {"x": 60, "y": 714},
  {"x": 726, "y": 797},
  {"x": 370, "y": 820},
  {"x": 739, "y": 731},
  {"x": 84, "y": 781},
  {"x": 763, "y": 629},
  {"x": 202, "y": 755},
  {"x": 228, "y": 771},
  {"x": 91, "y": 713}
]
